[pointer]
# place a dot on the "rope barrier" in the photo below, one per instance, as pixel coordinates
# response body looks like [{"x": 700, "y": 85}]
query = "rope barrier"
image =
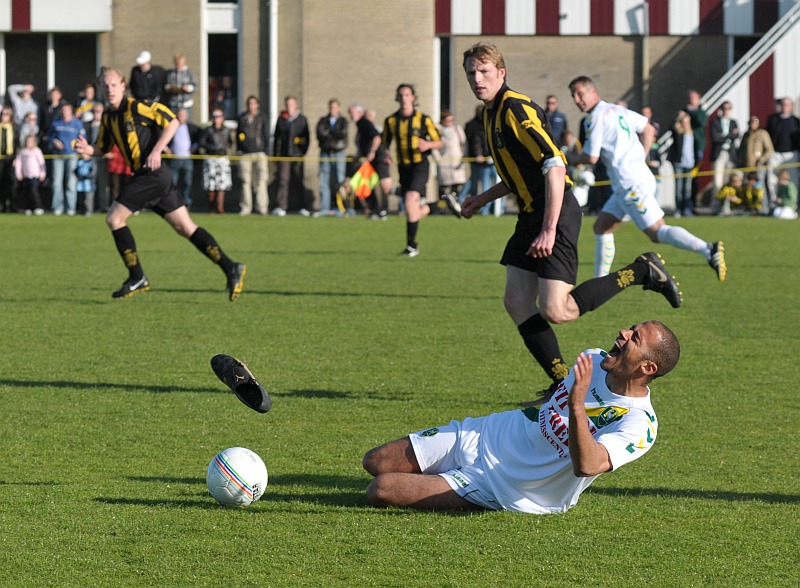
[{"x": 270, "y": 158}]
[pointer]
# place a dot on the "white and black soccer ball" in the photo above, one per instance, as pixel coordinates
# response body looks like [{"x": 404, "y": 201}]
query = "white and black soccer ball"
[{"x": 236, "y": 477}]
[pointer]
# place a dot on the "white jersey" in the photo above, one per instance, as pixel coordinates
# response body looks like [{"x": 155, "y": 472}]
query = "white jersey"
[
  {"x": 611, "y": 133},
  {"x": 527, "y": 461}
]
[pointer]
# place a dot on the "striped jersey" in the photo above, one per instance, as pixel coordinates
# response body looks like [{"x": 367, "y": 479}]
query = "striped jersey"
[
  {"x": 407, "y": 131},
  {"x": 518, "y": 137},
  {"x": 135, "y": 127}
]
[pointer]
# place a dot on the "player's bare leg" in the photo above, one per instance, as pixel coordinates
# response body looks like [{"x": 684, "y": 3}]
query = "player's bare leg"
[
  {"x": 395, "y": 456},
  {"x": 522, "y": 289},
  {"x": 398, "y": 480},
  {"x": 422, "y": 491}
]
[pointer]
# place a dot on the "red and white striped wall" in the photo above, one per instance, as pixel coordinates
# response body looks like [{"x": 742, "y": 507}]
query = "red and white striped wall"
[
  {"x": 775, "y": 78},
  {"x": 54, "y": 16},
  {"x": 608, "y": 17}
]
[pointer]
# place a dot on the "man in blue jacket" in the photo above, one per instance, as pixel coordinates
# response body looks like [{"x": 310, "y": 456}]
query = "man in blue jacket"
[{"x": 62, "y": 135}]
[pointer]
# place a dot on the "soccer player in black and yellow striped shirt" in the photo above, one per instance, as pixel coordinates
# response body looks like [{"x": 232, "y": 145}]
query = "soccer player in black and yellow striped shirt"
[
  {"x": 142, "y": 130},
  {"x": 415, "y": 135},
  {"x": 541, "y": 258}
]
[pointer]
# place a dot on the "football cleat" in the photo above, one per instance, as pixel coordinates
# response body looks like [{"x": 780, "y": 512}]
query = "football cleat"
[
  {"x": 236, "y": 281},
  {"x": 716, "y": 260},
  {"x": 237, "y": 376},
  {"x": 452, "y": 203},
  {"x": 659, "y": 280},
  {"x": 131, "y": 287},
  {"x": 410, "y": 251}
]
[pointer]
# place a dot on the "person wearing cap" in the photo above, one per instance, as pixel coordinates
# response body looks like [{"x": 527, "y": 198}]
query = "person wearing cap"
[{"x": 147, "y": 80}]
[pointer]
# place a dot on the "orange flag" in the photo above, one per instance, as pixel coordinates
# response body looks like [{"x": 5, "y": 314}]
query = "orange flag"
[{"x": 364, "y": 180}]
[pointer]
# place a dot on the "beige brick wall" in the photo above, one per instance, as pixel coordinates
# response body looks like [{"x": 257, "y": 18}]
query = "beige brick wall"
[
  {"x": 357, "y": 52},
  {"x": 136, "y": 28}
]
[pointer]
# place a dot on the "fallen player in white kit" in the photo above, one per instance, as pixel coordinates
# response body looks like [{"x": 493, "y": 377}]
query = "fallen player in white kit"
[{"x": 535, "y": 460}]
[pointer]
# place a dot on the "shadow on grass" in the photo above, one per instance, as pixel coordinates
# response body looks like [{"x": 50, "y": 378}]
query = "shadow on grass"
[
  {"x": 15, "y": 483},
  {"x": 166, "y": 480},
  {"x": 306, "y": 393},
  {"x": 111, "y": 385},
  {"x": 328, "y": 294},
  {"x": 327, "y": 490},
  {"x": 768, "y": 497},
  {"x": 339, "y": 491},
  {"x": 344, "y": 395}
]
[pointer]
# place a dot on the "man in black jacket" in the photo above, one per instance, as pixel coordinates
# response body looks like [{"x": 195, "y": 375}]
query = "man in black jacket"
[
  {"x": 147, "y": 80},
  {"x": 291, "y": 145},
  {"x": 252, "y": 138},
  {"x": 784, "y": 130},
  {"x": 724, "y": 133},
  {"x": 332, "y": 137}
]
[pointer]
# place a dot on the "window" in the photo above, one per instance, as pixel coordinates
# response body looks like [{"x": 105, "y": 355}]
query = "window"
[
  {"x": 26, "y": 62},
  {"x": 223, "y": 59}
]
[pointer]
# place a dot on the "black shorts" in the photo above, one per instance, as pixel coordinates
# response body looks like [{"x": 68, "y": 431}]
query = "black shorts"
[
  {"x": 381, "y": 167},
  {"x": 562, "y": 264},
  {"x": 414, "y": 178},
  {"x": 151, "y": 189}
]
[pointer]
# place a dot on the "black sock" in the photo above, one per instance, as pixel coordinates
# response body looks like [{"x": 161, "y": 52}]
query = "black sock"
[
  {"x": 126, "y": 245},
  {"x": 208, "y": 246},
  {"x": 541, "y": 341},
  {"x": 411, "y": 233},
  {"x": 597, "y": 291}
]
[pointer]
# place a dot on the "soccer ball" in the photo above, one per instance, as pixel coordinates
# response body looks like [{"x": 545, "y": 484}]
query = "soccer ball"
[{"x": 236, "y": 477}]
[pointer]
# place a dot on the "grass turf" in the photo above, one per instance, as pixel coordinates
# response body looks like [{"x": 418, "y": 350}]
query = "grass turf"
[{"x": 111, "y": 412}]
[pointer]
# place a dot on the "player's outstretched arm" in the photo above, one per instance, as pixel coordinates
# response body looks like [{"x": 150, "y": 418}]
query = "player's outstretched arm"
[
  {"x": 589, "y": 457},
  {"x": 82, "y": 146},
  {"x": 473, "y": 204}
]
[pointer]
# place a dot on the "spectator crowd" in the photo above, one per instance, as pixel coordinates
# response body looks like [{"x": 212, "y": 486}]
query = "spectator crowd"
[{"x": 754, "y": 169}]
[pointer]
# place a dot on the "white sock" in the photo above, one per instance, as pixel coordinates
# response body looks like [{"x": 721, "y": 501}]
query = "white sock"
[
  {"x": 680, "y": 237},
  {"x": 603, "y": 254}
]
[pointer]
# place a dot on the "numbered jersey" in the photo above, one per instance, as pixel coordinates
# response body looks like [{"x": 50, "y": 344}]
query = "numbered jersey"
[{"x": 611, "y": 133}]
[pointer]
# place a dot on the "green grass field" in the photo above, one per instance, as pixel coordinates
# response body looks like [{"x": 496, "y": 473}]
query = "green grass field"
[{"x": 111, "y": 413}]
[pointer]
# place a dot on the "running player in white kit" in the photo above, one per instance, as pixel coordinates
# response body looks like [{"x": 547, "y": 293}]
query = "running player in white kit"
[{"x": 610, "y": 133}]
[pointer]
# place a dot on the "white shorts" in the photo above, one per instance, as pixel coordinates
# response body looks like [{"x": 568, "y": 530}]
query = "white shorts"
[
  {"x": 451, "y": 451},
  {"x": 638, "y": 202}
]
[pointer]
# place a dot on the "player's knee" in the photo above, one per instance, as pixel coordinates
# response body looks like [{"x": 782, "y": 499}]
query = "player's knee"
[
  {"x": 554, "y": 314},
  {"x": 371, "y": 462},
  {"x": 114, "y": 223},
  {"x": 182, "y": 229},
  {"x": 379, "y": 492},
  {"x": 517, "y": 305}
]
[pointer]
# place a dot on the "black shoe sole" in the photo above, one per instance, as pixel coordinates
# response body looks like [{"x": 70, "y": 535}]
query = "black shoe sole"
[{"x": 238, "y": 377}]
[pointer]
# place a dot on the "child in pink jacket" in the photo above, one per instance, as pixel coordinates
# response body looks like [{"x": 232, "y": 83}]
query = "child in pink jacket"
[{"x": 30, "y": 169}]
